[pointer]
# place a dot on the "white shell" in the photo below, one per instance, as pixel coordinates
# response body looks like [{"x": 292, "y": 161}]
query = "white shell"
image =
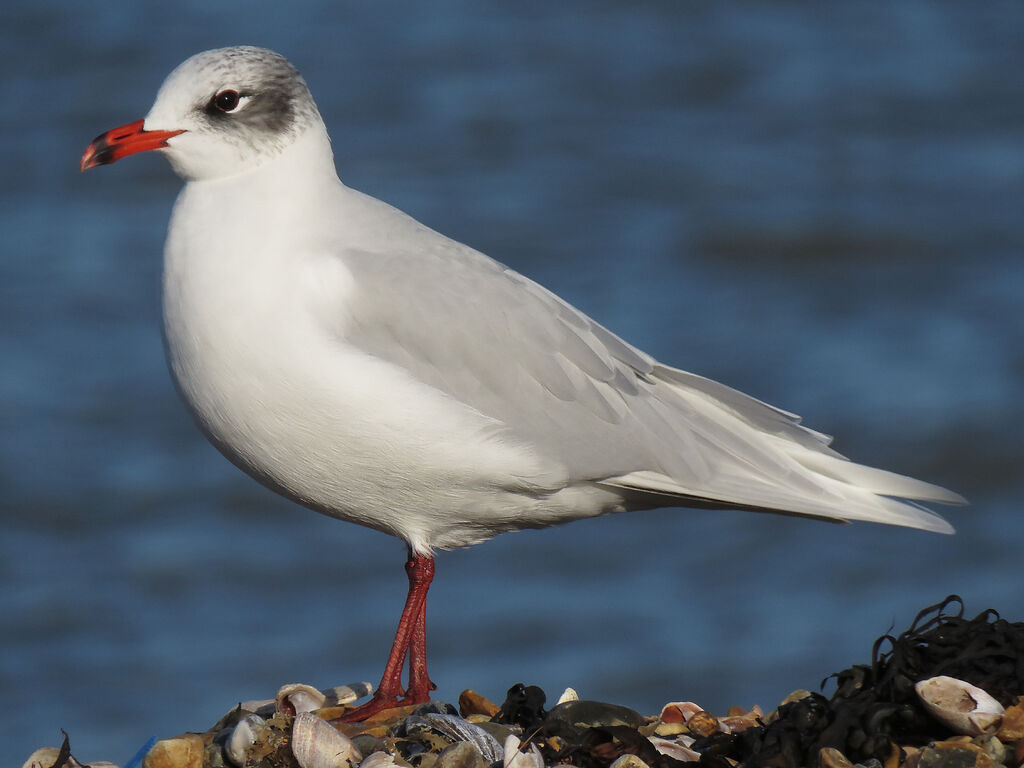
[
  {"x": 306, "y": 695},
  {"x": 678, "y": 748},
  {"x": 295, "y": 698},
  {"x": 246, "y": 732},
  {"x": 686, "y": 709},
  {"x": 379, "y": 760},
  {"x": 346, "y": 694},
  {"x": 516, "y": 759},
  {"x": 46, "y": 757},
  {"x": 458, "y": 729},
  {"x": 316, "y": 744},
  {"x": 628, "y": 761},
  {"x": 255, "y": 705},
  {"x": 569, "y": 694},
  {"x": 965, "y": 708}
]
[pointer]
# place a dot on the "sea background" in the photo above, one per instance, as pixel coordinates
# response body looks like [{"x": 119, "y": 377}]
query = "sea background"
[{"x": 817, "y": 203}]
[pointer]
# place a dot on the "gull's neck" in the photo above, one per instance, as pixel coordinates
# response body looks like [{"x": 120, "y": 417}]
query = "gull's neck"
[
  {"x": 306, "y": 162},
  {"x": 270, "y": 210}
]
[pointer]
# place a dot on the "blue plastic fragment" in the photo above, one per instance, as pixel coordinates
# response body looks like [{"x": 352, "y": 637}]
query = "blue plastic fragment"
[{"x": 136, "y": 760}]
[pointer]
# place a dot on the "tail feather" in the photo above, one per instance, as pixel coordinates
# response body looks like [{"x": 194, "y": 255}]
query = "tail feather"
[
  {"x": 876, "y": 480},
  {"x": 762, "y": 458}
]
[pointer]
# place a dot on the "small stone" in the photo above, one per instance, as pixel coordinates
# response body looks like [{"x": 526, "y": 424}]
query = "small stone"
[
  {"x": 499, "y": 731},
  {"x": 556, "y": 744},
  {"x": 185, "y": 751},
  {"x": 953, "y": 754},
  {"x": 214, "y": 757},
  {"x": 670, "y": 729},
  {"x": 703, "y": 724},
  {"x": 1012, "y": 728},
  {"x": 367, "y": 743},
  {"x": 591, "y": 714},
  {"x": 892, "y": 760},
  {"x": 830, "y": 757},
  {"x": 472, "y": 703},
  {"x": 461, "y": 754},
  {"x": 993, "y": 747}
]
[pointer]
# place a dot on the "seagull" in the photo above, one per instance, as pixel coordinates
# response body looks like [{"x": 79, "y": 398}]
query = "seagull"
[{"x": 369, "y": 368}]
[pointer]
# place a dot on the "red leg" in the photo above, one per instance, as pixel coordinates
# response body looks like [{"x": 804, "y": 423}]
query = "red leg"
[
  {"x": 419, "y": 681},
  {"x": 410, "y": 639}
]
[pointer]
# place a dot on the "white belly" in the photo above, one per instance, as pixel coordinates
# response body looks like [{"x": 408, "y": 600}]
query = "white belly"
[{"x": 256, "y": 345}]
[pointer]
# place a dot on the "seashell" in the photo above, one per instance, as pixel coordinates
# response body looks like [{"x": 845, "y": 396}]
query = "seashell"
[
  {"x": 457, "y": 729},
  {"x": 735, "y": 723},
  {"x": 569, "y": 694},
  {"x": 257, "y": 705},
  {"x": 628, "y": 761},
  {"x": 678, "y": 749},
  {"x": 679, "y": 711},
  {"x": 47, "y": 757},
  {"x": 346, "y": 694},
  {"x": 379, "y": 760},
  {"x": 959, "y": 705},
  {"x": 295, "y": 698},
  {"x": 316, "y": 744},
  {"x": 516, "y": 759},
  {"x": 245, "y": 734}
]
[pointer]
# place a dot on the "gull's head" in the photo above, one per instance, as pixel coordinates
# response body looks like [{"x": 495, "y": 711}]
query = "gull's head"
[{"x": 220, "y": 113}]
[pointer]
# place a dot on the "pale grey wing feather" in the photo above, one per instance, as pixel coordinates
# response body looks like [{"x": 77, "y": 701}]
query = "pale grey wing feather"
[
  {"x": 494, "y": 340},
  {"x": 593, "y": 404},
  {"x": 509, "y": 348}
]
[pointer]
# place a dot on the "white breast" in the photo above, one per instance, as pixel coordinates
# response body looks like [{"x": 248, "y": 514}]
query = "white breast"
[{"x": 254, "y": 319}]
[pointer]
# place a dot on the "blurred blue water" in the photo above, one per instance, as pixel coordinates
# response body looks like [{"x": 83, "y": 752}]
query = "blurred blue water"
[{"x": 815, "y": 203}]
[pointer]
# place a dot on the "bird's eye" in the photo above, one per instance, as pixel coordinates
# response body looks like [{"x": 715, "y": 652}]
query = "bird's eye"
[{"x": 225, "y": 101}]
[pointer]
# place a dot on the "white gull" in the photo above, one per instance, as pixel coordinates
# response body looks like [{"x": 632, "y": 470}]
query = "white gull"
[{"x": 371, "y": 369}]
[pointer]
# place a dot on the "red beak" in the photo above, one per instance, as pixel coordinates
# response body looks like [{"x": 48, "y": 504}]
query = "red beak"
[{"x": 120, "y": 142}]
